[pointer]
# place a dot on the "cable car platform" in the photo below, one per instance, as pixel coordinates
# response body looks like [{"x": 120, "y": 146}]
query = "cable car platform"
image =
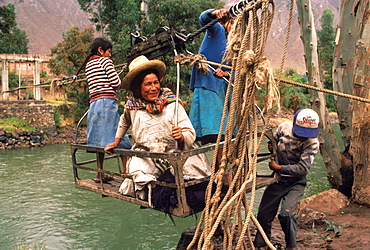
[{"x": 84, "y": 170}]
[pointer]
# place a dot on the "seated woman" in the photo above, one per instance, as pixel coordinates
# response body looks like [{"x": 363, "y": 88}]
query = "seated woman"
[{"x": 150, "y": 112}]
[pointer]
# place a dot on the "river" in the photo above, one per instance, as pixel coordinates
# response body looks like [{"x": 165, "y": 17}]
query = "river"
[{"x": 40, "y": 206}]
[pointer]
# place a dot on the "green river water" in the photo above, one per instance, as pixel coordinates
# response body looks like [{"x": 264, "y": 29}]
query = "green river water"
[{"x": 39, "y": 205}]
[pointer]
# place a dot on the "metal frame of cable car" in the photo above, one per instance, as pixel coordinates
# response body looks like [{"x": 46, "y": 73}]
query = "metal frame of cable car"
[
  {"x": 176, "y": 159},
  {"x": 164, "y": 41}
]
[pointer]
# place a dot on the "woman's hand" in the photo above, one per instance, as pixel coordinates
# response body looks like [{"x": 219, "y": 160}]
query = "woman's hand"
[
  {"x": 177, "y": 133},
  {"x": 220, "y": 73},
  {"x": 178, "y": 136},
  {"x": 221, "y": 14},
  {"x": 112, "y": 145}
]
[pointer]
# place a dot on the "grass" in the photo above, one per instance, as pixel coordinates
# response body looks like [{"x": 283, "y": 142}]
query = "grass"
[{"x": 14, "y": 124}]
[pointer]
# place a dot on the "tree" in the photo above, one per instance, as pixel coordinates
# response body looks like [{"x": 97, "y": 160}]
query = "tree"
[
  {"x": 118, "y": 18},
  {"x": 115, "y": 19},
  {"x": 69, "y": 56},
  {"x": 351, "y": 71},
  {"x": 12, "y": 39},
  {"x": 326, "y": 42},
  {"x": 293, "y": 97},
  {"x": 326, "y": 51},
  {"x": 71, "y": 53},
  {"x": 329, "y": 147}
]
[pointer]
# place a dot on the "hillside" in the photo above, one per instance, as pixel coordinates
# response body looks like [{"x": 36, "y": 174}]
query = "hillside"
[
  {"x": 45, "y": 21},
  {"x": 275, "y": 44}
]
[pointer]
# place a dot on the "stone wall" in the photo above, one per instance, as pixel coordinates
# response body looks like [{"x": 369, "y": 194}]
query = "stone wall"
[
  {"x": 21, "y": 139},
  {"x": 37, "y": 114},
  {"x": 40, "y": 116}
]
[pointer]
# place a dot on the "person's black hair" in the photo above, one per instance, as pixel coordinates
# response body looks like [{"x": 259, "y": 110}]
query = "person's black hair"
[
  {"x": 136, "y": 82},
  {"x": 94, "y": 46}
]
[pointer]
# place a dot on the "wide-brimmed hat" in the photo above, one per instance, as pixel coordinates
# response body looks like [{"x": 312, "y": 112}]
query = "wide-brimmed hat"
[
  {"x": 306, "y": 123},
  {"x": 141, "y": 64}
]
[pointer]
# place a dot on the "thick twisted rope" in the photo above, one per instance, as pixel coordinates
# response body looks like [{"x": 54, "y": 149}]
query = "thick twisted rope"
[
  {"x": 357, "y": 98},
  {"x": 246, "y": 58},
  {"x": 286, "y": 39},
  {"x": 349, "y": 96}
]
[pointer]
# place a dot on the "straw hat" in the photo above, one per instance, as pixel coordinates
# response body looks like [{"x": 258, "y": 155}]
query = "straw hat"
[{"x": 140, "y": 64}]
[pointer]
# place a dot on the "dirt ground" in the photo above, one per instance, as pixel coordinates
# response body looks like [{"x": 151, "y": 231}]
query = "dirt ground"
[{"x": 352, "y": 225}]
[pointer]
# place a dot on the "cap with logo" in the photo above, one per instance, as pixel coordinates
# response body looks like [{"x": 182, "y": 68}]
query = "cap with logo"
[{"x": 306, "y": 123}]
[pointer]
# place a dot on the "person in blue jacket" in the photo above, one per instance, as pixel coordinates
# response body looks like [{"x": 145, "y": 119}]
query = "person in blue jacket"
[{"x": 210, "y": 89}]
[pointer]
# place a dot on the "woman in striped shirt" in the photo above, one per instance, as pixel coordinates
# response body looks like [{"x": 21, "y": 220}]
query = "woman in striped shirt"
[{"x": 103, "y": 82}]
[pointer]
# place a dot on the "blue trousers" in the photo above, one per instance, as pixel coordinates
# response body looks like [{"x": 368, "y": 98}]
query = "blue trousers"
[{"x": 288, "y": 191}]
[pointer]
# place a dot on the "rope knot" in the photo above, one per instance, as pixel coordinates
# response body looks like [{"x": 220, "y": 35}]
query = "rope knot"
[
  {"x": 249, "y": 58},
  {"x": 236, "y": 162},
  {"x": 199, "y": 62},
  {"x": 263, "y": 73},
  {"x": 198, "y": 59}
]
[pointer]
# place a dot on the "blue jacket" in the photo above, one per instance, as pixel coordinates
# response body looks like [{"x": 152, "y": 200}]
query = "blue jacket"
[{"x": 213, "y": 48}]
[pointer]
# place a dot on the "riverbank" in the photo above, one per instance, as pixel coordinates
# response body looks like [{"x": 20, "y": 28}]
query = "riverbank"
[
  {"x": 327, "y": 220},
  {"x": 349, "y": 228},
  {"x": 31, "y": 123},
  {"x": 27, "y": 139},
  {"x": 67, "y": 134}
]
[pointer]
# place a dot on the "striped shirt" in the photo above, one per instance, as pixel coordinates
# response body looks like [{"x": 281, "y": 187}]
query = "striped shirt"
[
  {"x": 294, "y": 156},
  {"x": 102, "y": 78}
]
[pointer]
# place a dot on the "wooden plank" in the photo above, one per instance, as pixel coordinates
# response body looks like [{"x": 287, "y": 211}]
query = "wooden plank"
[{"x": 110, "y": 189}]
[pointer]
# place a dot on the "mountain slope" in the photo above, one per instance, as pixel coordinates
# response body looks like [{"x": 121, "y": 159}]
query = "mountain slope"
[
  {"x": 45, "y": 21},
  {"x": 295, "y": 55}
]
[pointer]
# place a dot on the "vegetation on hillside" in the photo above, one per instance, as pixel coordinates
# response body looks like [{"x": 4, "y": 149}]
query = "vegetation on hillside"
[
  {"x": 71, "y": 52},
  {"x": 326, "y": 50},
  {"x": 131, "y": 17},
  {"x": 12, "y": 39}
]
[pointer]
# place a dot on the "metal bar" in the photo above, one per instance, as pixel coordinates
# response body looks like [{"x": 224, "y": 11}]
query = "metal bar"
[{"x": 78, "y": 124}]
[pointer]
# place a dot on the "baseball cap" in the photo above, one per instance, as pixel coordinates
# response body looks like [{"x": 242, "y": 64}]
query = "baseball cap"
[{"x": 306, "y": 123}]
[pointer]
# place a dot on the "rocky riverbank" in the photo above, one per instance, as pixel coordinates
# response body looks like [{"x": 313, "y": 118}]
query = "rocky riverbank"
[
  {"x": 37, "y": 115},
  {"x": 26, "y": 139},
  {"x": 67, "y": 134},
  {"x": 21, "y": 139}
]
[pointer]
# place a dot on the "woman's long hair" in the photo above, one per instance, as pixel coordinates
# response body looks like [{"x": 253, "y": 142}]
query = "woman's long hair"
[{"x": 94, "y": 45}]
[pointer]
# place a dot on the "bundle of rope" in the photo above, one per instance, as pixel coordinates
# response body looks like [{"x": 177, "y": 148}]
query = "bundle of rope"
[{"x": 233, "y": 211}]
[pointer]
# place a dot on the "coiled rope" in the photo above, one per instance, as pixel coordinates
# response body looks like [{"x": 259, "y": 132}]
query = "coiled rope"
[{"x": 246, "y": 46}]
